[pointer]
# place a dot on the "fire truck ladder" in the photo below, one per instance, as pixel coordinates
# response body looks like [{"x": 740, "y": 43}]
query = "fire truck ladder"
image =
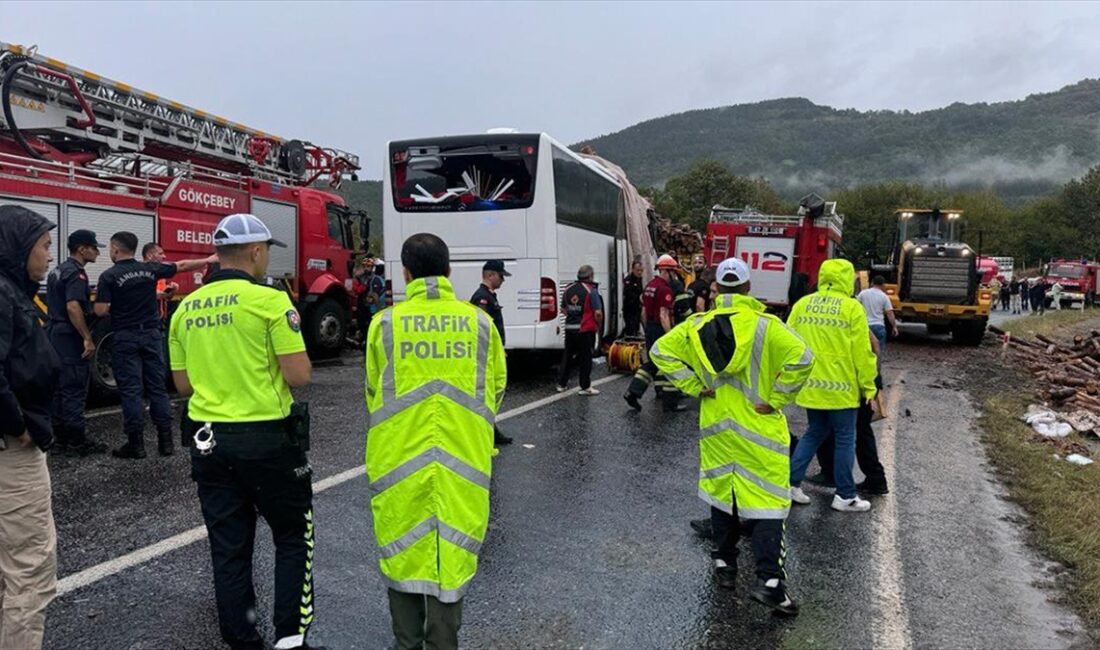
[{"x": 50, "y": 106}]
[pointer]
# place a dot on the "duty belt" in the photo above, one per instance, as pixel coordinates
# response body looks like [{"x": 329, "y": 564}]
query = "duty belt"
[{"x": 266, "y": 426}]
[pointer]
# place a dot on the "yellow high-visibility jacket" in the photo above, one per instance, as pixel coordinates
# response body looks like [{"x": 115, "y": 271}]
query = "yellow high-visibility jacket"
[
  {"x": 834, "y": 325},
  {"x": 435, "y": 379},
  {"x": 740, "y": 450}
]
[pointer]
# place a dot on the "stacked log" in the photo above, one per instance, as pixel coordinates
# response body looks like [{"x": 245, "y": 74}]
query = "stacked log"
[
  {"x": 1068, "y": 371},
  {"x": 678, "y": 238}
]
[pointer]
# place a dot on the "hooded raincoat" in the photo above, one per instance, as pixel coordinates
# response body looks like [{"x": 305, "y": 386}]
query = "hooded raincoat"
[
  {"x": 834, "y": 325},
  {"x": 435, "y": 379},
  {"x": 747, "y": 358},
  {"x": 28, "y": 363}
]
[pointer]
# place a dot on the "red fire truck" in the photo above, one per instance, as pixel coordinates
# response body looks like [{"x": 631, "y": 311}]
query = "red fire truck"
[
  {"x": 784, "y": 252},
  {"x": 89, "y": 152},
  {"x": 1078, "y": 280}
]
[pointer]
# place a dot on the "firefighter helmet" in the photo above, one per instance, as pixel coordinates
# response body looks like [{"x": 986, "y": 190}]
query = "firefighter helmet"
[{"x": 667, "y": 261}]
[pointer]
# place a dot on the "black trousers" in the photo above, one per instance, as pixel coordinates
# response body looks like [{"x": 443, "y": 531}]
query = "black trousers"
[
  {"x": 362, "y": 319},
  {"x": 866, "y": 450},
  {"x": 71, "y": 395},
  {"x": 137, "y": 358},
  {"x": 647, "y": 374},
  {"x": 248, "y": 475},
  {"x": 632, "y": 322},
  {"x": 578, "y": 354},
  {"x": 423, "y": 622},
  {"x": 767, "y": 541}
]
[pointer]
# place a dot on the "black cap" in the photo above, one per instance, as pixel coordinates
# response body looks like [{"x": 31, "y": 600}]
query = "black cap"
[
  {"x": 83, "y": 238},
  {"x": 498, "y": 266}
]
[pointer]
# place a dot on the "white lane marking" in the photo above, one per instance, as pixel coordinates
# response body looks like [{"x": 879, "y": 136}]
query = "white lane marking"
[
  {"x": 891, "y": 621},
  {"x": 520, "y": 410},
  {"x": 112, "y": 567}
]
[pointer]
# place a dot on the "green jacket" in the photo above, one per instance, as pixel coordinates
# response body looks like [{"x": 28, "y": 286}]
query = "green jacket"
[
  {"x": 834, "y": 325},
  {"x": 747, "y": 357},
  {"x": 435, "y": 379}
]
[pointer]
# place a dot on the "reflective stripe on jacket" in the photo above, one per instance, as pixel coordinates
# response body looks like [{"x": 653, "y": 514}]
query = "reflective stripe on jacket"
[
  {"x": 834, "y": 325},
  {"x": 740, "y": 450},
  {"x": 435, "y": 379}
]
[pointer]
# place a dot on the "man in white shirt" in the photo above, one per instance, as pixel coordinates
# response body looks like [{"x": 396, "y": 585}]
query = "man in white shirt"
[{"x": 879, "y": 309}]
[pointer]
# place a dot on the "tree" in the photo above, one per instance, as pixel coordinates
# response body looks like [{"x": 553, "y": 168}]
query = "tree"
[{"x": 689, "y": 197}]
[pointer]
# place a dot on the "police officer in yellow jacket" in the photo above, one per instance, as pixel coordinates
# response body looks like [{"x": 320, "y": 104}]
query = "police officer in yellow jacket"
[
  {"x": 834, "y": 325},
  {"x": 435, "y": 379},
  {"x": 236, "y": 348},
  {"x": 746, "y": 366}
]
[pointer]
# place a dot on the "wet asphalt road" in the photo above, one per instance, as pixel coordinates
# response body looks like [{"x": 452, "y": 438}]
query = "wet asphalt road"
[{"x": 588, "y": 544}]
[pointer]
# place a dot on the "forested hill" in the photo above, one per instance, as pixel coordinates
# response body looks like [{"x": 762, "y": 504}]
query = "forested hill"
[{"x": 1021, "y": 148}]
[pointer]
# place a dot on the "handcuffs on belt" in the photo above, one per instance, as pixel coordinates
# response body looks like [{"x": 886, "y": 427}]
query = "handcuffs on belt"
[{"x": 204, "y": 440}]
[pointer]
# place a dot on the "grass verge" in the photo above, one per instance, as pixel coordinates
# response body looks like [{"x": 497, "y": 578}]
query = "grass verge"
[
  {"x": 1061, "y": 499},
  {"x": 1051, "y": 323}
]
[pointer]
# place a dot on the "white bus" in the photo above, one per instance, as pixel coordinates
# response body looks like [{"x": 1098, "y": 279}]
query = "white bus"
[{"x": 521, "y": 198}]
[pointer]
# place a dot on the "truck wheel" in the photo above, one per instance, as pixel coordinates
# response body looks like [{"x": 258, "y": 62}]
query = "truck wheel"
[
  {"x": 102, "y": 384},
  {"x": 1090, "y": 300},
  {"x": 326, "y": 328},
  {"x": 938, "y": 329},
  {"x": 968, "y": 332}
]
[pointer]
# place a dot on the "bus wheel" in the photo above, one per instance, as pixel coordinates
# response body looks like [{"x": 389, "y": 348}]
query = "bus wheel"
[{"x": 326, "y": 328}]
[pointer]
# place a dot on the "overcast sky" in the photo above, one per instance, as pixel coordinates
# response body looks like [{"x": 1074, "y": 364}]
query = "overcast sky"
[{"x": 354, "y": 75}]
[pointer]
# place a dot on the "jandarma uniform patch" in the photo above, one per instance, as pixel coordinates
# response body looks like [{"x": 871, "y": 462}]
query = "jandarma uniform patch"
[{"x": 294, "y": 320}]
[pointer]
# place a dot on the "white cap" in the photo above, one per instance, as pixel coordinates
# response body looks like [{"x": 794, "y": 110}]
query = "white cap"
[
  {"x": 735, "y": 267},
  {"x": 243, "y": 229}
]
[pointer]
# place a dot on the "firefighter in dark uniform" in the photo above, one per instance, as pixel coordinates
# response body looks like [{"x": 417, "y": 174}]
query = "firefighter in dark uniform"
[
  {"x": 492, "y": 278},
  {"x": 683, "y": 302},
  {"x": 658, "y": 303},
  {"x": 68, "y": 301},
  {"x": 128, "y": 292},
  {"x": 236, "y": 349},
  {"x": 632, "y": 300}
]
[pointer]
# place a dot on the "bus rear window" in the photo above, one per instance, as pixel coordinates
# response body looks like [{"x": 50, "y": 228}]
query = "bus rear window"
[{"x": 463, "y": 176}]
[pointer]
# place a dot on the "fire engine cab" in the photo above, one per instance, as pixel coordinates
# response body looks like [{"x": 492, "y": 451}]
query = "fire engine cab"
[
  {"x": 1078, "y": 279},
  {"x": 86, "y": 151},
  {"x": 784, "y": 252}
]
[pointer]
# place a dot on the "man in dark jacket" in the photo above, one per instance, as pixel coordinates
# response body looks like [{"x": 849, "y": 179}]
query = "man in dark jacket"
[
  {"x": 632, "y": 300},
  {"x": 492, "y": 278},
  {"x": 28, "y": 375}
]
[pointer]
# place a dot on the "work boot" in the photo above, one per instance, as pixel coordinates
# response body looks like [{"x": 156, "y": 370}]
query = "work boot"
[
  {"x": 88, "y": 448},
  {"x": 773, "y": 593},
  {"x": 129, "y": 452},
  {"x": 821, "y": 478},
  {"x": 499, "y": 438},
  {"x": 632, "y": 400},
  {"x": 873, "y": 488},
  {"x": 165, "y": 444},
  {"x": 725, "y": 575},
  {"x": 703, "y": 528},
  {"x": 674, "y": 406}
]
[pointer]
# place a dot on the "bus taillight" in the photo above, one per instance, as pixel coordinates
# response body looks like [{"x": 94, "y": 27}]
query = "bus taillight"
[{"x": 548, "y": 305}]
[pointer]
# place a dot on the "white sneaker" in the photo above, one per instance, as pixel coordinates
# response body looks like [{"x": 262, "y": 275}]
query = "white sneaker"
[
  {"x": 798, "y": 496},
  {"x": 560, "y": 389},
  {"x": 850, "y": 505},
  {"x": 588, "y": 392}
]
